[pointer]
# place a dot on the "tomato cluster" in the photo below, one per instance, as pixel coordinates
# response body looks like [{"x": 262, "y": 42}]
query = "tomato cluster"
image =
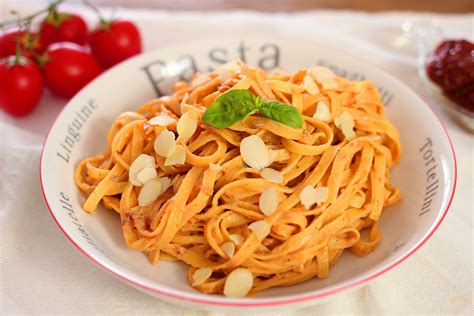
[{"x": 62, "y": 55}]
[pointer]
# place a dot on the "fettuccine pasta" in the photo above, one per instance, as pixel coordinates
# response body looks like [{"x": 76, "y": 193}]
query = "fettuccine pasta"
[{"x": 258, "y": 204}]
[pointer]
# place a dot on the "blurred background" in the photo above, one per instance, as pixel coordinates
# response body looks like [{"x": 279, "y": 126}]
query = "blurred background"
[{"x": 441, "y": 6}]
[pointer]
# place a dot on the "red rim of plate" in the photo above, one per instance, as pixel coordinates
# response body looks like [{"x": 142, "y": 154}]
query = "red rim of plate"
[{"x": 283, "y": 301}]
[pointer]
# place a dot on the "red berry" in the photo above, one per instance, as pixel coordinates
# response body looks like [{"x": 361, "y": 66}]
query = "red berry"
[{"x": 451, "y": 66}]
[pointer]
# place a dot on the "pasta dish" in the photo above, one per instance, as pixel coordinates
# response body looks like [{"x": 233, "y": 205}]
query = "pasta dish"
[{"x": 254, "y": 179}]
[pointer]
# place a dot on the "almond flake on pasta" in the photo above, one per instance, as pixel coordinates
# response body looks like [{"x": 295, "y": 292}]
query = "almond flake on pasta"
[
  {"x": 229, "y": 67},
  {"x": 149, "y": 193},
  {"x": 141, "y": 162},
  {"x": 321, "y": 73},
  {"x": 229, "y": 248},
  {"x": 200, "y": 80},
  {"x": 187, "y": 125},
  {"x": 310, "y": 196},
  {"x": 260, "y": 228},
  {"x": 310, "y": 85},
  {"x": 322, "y": 112},
  {"x": 224, "y": 75},
  {"x": 165, "y": 143},
  {"x": 165, "y": 183},
  {"x": 237, "y": 239},
  {"x": 272, "y": 175},
  {"x": 345, "y": 123},
  {"x": 307, "y": 197},
  {"x": 272, "y": 156},
  {"x": 146, "y": 174},
  {"x": 343, "y": 118},
  {"x": 201, "y": 275},
  {"x": 348, "y": 132},
  {"x": 268, "y": 201},
  {"x": 329, "y": 84},
  {"x": 322, "y": 194},
  {"x": 238, "y": 283},
  {"x": 178, "y": 157},
  {"x": 162, "y": 120},
  {"x": 254, "y": 152}
]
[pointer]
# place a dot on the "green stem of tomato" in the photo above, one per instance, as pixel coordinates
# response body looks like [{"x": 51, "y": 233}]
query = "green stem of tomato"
[
  {"x": 32, "y": 16},
  {"x": 103, "y": 22}
]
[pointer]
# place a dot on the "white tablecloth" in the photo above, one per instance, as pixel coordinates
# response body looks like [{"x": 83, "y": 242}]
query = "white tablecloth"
[{"x": 42, "y": 273}]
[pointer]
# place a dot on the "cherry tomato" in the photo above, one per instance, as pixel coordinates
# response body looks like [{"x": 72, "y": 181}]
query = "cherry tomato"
[
  {"x": 28, "y": 40},
  {"x": 21, "y": 85},
  {"x": 115, "y": 41},
  {"x": 63, "y": 27},
  {"x": 68, "y": 67}
]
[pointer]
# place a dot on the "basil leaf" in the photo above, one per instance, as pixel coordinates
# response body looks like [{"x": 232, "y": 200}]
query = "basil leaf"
[
  {"x": 283, "y": 113},
  {"x": 230, "y": 107}
]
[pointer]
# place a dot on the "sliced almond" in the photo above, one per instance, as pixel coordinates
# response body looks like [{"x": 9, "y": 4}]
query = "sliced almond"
[
  {"x": 254, "y": 152},
  {"x": 237, "y": 239},
  {"x": 238, "y": 283},
  {"x": 214, "y": 167},
  {"x": 310, "y": 196},
  {"x": 268, "y": 201},
  {"x": 260, "y": 228},
  {"x": 229, "y": 248},
  {"x": 141, "y": 162},
  {"x": 201, "y": 275},
  {"x": 322, "y": 112},
  {"x": 231, "y": 67},
  {"x": 346, "y": 124},
  {"x": 187, "y": 125},
  {"x": 178, "y": 157},
  {"x": 162, "y": 120},
  {"x": 329, "y": 83},
  {"x": 165, "y": 144},
  {"x": 149, "y": 193},
  {"x": 165, "y": 183},
  {"x": 307, "y": 197},
  {"x": 321, "y": 73},
  {"x": 272, "y": 156},
  {"x": 310, "y": 85},
  {"x": 224, "y": 75},
  {"x": 272, "y": 175},
  {"x": 343, "y": 118},
  {"x": 348, "y": 132},
  {"x": 321, "y": 194},
  {"x": 200, "y": 80},
  {"x": 146, "y": 174}
]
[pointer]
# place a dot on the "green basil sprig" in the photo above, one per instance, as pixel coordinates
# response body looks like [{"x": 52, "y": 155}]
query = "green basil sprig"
[{"x": 236, "y": 105}]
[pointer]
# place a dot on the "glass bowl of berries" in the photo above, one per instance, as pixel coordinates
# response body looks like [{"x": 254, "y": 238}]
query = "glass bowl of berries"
[{"x": 446, "y": 66}]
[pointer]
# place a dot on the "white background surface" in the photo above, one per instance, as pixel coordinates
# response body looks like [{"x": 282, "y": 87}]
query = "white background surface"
[{"x": 42, "y": 273}]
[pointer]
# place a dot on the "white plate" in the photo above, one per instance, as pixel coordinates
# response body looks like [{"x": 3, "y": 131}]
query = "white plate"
[{"x": 426, "y": 174}]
